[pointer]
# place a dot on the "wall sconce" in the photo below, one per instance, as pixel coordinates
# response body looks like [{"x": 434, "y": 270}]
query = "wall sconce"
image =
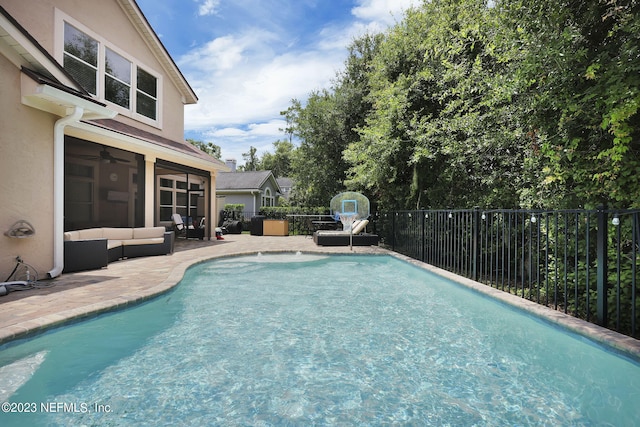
[{"x": 20, "y": 230}]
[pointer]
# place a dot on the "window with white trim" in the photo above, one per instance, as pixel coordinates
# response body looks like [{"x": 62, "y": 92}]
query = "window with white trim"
[
  {"x": 173, "y": 197},
  {"x": 146, "y": 94},
  {"x": 110, "y": 75},
  {"x": 81, "y": 58},
  {"x": 267, "y": 199},
  {"x": 117, "y": 79}
]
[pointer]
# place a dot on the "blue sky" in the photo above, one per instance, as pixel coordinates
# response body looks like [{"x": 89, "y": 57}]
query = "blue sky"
[{"x": 246, "y": 59}]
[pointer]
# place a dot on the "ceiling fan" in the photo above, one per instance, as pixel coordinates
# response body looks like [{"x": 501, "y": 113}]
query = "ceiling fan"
[{"x": 105, "y": 156}]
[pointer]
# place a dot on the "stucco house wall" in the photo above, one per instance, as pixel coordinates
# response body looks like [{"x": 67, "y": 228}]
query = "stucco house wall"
[
  {"x": 31, "y": 105},
  {"x": 110, "y": 23},
  {"x": 26, "y": 167}
]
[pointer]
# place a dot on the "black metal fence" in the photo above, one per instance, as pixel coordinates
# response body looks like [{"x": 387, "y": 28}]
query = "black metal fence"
[
  {"x": 582, "y": 262},
  {"x": 301, "y": 222}
]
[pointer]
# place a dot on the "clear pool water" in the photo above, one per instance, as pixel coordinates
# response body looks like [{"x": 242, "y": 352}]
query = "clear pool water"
[{"x": 340, "y": 340}]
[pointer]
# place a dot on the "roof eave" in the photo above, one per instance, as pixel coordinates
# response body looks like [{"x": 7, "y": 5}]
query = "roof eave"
[
  {"x": 24, "y": 51},
  {"x": 237, "y": 190},
  {"x": 154, "y": 43},
  {"x": 151, "y": 151},
  {"x": 59, "y": 102}
]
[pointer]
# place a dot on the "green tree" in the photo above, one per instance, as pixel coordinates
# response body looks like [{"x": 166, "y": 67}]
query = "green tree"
[
  {"x": 291, "y": 118},
  {"x": 317, "y": 165},
  {"x": 252, "y": 162},
  {"x": 436, "y": 135},
  {"x": 505, "y": 103},
  {"x": 583, "y": 66},
  {"x": 279, "y": 163},
  {"x": 208, "y": 147},
  {"x": 328, "y": 124}
]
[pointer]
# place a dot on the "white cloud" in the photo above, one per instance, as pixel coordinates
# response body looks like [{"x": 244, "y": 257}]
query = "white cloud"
[
  {"x": 236, "y": 141},
  {"x": 226, "y": 133},
  {"x": 208, "y": 7},
  {"x": 270, "y": 128},
  {"x": 254, "y": 88},
  {"x": 243, "y": 82},
  {"x": 385, "y": 12},
  {"x": 227, "y": 52}
]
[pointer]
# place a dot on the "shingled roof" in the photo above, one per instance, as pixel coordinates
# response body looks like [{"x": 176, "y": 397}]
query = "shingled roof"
[
  {"x": 253, "y": 180},
  {"x": 182, "y": 146}
]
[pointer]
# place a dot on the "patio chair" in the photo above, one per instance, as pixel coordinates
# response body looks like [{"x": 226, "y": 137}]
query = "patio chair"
[{"x": 186, "y": 231}]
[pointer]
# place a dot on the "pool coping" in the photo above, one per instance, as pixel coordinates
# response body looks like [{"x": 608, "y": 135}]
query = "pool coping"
[{"x": 167, "y": 271}]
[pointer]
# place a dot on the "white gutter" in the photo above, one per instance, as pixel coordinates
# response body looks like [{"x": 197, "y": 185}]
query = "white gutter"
[{"x": 58, "y": 189}]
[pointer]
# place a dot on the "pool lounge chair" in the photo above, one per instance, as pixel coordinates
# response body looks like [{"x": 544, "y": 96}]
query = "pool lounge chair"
[{"x": 343, "y": 238}]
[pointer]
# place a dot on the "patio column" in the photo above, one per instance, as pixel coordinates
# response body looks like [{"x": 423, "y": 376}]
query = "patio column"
[{"x": 149, "y": 190}]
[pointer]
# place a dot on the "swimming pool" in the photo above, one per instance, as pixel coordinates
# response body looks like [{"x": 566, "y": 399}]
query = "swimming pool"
[{"x": 308, "y": 339}]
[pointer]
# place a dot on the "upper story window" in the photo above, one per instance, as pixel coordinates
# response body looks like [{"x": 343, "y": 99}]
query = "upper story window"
[
  {"x": 110, "y": 75},
  {"x": 81, "y": 58},
  {"x": 117, "y": 79},
  {"x": 146, "y": 94}
]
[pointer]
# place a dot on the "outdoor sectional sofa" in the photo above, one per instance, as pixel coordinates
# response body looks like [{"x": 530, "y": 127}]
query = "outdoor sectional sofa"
[{"x": 94, "y": 248}]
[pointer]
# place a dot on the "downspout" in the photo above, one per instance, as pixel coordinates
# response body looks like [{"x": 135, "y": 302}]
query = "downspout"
[
  {"x": 253, "y": 193},
  {"x": 58, "y": 189}
]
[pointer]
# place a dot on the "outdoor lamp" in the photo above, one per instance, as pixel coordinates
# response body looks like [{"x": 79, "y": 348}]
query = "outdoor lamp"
[{"x": 615, "y": 220}]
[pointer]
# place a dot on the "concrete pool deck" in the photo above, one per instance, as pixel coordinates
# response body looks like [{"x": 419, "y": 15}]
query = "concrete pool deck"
[{"x": 75, "y": 296}]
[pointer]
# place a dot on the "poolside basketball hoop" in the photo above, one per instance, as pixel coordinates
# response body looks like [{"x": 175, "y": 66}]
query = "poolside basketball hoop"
[
  {"x": 348, "y": 207},
  {"x": 347, "y": 219}
]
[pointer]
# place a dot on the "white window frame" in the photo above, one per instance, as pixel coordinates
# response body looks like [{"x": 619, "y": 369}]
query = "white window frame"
[
  {"x": 61, "y": 18},
  {"x": 174, "y": 190},
  {"x": 129, "y": 84},
  {"x": 267, "y": 199},
  {"x": 180, "y": 186}
]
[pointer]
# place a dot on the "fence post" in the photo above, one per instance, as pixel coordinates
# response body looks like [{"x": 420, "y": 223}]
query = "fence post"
[
  {"x": 423, "y": 237},
  {"x": 602, "y": 265},
  {"x": 393, "y": 230},
  {"x": 476, "y": 242}
]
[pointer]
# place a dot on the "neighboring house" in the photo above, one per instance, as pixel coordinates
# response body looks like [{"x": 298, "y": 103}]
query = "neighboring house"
[
  {"x": 252, "y": 189},
  {"x": 92, "y": 127},
  {"x": 286, "y": 185}
]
